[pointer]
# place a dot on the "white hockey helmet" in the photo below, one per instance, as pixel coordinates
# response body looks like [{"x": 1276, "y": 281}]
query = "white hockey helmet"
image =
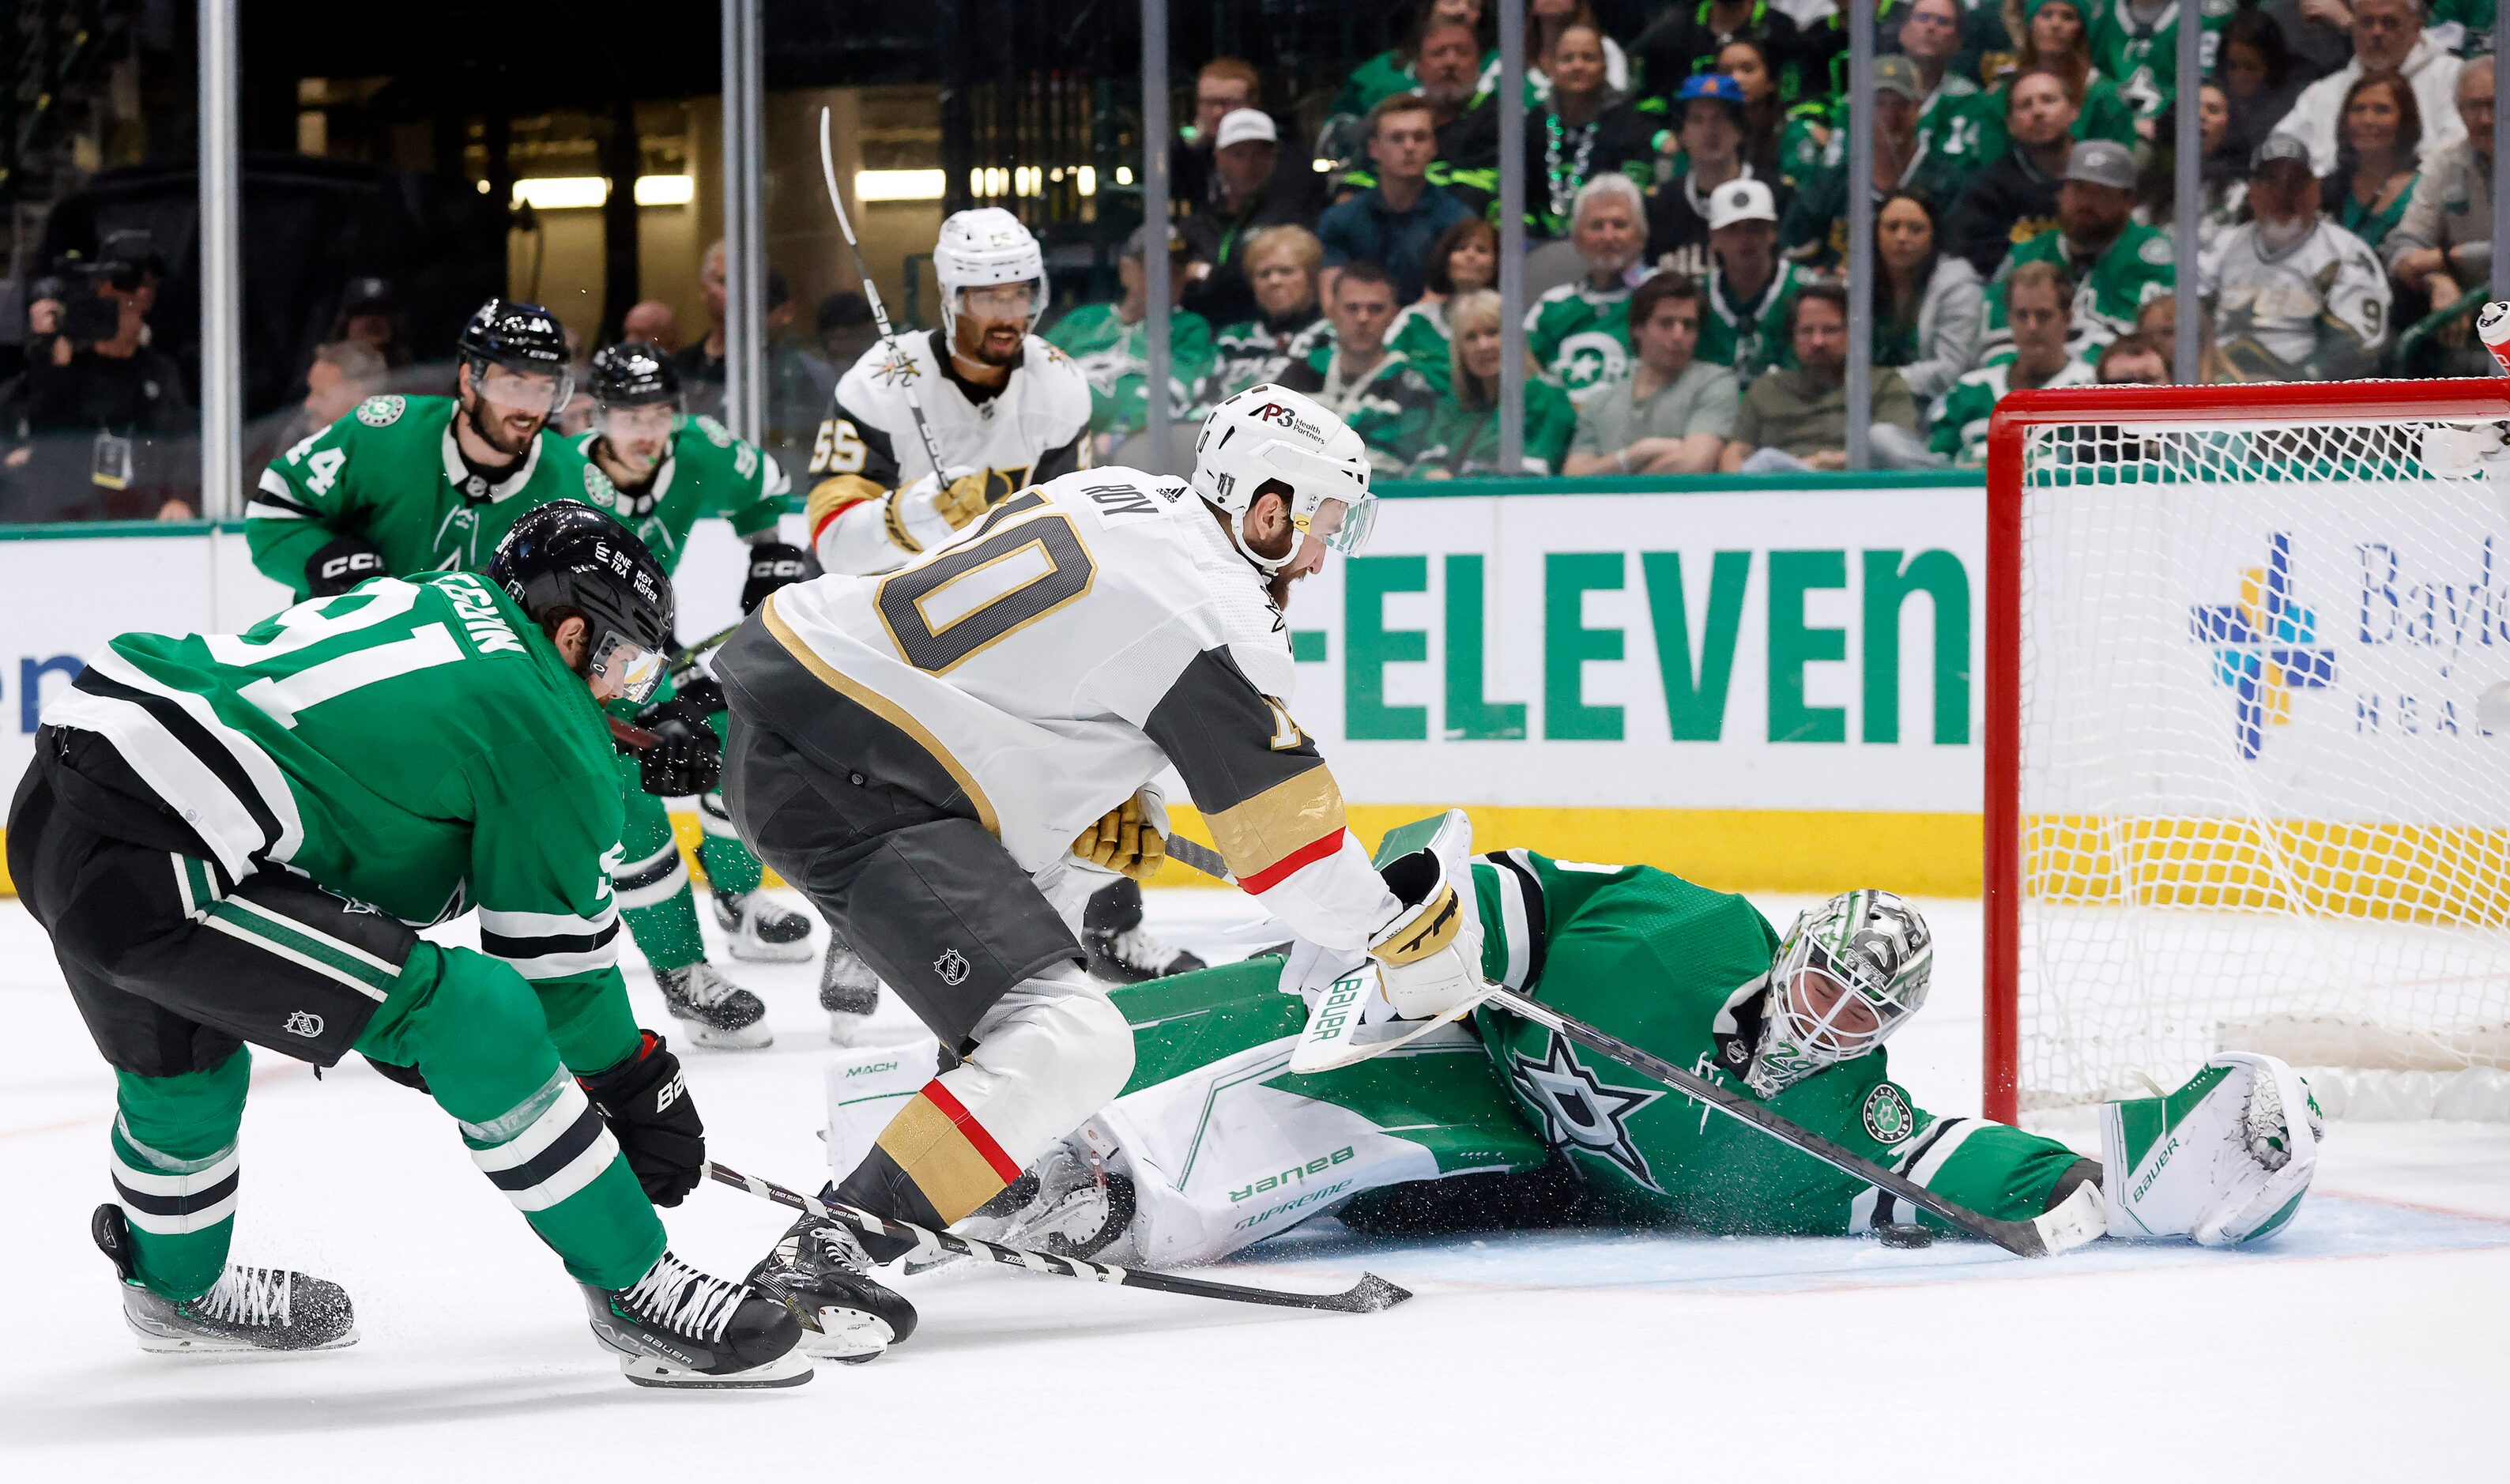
[
  {"x": 1847, "y": 976},
  {"x": 1269, "y": 433},
  {"x": 983, "y": 248}
]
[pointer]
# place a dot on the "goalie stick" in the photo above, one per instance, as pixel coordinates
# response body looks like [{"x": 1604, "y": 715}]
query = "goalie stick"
[
  {"x": 2068, "y": 1227},
  {"x": 1367, "y": 1296}
]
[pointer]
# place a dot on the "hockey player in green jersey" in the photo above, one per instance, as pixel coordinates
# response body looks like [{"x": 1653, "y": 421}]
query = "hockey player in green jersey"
[
  {"x": 1495, "y": 1122},
  {"x": 230, "y": 838},
  {"x": 409, "y": 485},
  {"x": 662, "y": 472}
]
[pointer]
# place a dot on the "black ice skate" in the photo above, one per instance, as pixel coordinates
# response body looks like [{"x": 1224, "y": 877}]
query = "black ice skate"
[
  {"x": 849, "y": 990},
  {"x": 821, "y": 1268},
  {"x": 1120, "y": 948},
  {"x": 762, "y": 931},
  {"x": 249, "y": 1309},
  {"x": 718, "y": 1013},
  {"x": 679, "y": 1327}
]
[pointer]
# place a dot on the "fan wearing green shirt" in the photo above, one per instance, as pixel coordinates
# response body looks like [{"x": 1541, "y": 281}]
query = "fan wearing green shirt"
[
  {"x": 1751, "y": 288},
  {"x": 1579, "y": 332},
  {"x": 2039, "y": 304},
  {"x": 1111, "y": 344},
  {"x": 2116, "y": 263},
  {"x": 1673, "y": 415},
  {"x": 1461, "y": 440},
  {"x": 1373, "y": 390}
]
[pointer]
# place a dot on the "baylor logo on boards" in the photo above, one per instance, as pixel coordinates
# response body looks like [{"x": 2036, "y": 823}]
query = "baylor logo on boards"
[{"x": 2265, "y": 647}]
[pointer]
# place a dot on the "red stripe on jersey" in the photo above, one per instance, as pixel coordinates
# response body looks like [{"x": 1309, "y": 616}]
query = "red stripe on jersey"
[
  {"x": 972, "y": 1131},
  {"x": 834, "y": 512},
  {"x": 1290, "y": 864}
]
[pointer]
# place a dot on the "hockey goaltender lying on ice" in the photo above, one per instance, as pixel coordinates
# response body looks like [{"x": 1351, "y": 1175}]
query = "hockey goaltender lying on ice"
[{"x": 1495, "y": 1122}]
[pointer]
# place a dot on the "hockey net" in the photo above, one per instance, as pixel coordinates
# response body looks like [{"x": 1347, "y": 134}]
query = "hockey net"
[{"x": 2239, "y": 797}]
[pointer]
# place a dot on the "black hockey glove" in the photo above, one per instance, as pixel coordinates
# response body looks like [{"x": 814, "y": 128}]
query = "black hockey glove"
[
  {"x": 392, "y": 1071},
  {"x": 342, "y": 565},
  {"x": 686, "y": 757},
  {"x": 772, "y": 566},
  {"x": 645, "y": 1101}
]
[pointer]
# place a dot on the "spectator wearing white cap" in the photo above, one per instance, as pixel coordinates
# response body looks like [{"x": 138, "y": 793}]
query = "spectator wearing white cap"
[
  {"x": 1248, "y": 193},
  {"x": 2296, "y": 297},
  {"x": 2387, "y": 40},
  {"x": 2115, "y": 262},
  {"x": 1751, "y": 287}
]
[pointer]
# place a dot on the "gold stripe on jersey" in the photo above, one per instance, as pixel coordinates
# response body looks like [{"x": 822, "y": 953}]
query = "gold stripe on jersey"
[
  {"x": 1260, "y": 833},
  {"x": 831, "y": 497},
  {"x": 886, "y": 709},
  {"x": 931, "y": 1149},
  {"x": 896, "y": 525}
]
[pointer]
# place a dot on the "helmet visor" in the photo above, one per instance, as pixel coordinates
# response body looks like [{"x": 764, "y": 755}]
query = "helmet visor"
[
  {"x": 638, "y": 420},
  {"x": 536, "y": 392},
  {"x": 628, "y": 665},
  {"x": 1022, "y": 300}
]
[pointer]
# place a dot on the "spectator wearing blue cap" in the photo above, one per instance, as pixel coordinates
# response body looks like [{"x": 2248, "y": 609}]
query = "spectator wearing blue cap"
[
  {"x": 1711, "y": 126},
  {"x": 1686, "y": 39}
]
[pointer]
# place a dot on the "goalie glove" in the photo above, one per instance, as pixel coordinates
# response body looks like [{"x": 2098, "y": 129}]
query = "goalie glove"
[
  {"x": 927, "y": 511},
  {"x": 1431, "y": 956},
  {"x": 1130, "y": 839},
  {"x": 2221, "y": 1160}
]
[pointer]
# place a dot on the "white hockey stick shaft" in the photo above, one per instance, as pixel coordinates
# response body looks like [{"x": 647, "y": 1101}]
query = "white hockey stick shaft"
[{"x": 871, "y": 291}]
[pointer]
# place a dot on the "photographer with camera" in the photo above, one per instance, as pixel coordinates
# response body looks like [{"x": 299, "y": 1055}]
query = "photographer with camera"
[{"x": 98, "y": 427}]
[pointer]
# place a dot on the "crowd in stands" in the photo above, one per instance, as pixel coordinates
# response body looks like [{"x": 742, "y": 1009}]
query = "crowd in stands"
[{"x": 1687, "y": 198}]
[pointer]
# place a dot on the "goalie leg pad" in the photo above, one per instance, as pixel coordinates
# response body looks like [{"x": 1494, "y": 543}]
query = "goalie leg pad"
[{"x": 2220, "y": 1161}]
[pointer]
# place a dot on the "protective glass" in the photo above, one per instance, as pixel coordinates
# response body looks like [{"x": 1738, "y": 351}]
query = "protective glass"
[
  {"x": 628, "y": 664},
  {"x": 538, "y": 392}
]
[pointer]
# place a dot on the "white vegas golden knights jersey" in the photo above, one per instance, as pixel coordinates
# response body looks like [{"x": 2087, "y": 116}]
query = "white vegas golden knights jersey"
[
  {"x": 1062, "y": 652},
  {"x": 1034, "y": 429}
]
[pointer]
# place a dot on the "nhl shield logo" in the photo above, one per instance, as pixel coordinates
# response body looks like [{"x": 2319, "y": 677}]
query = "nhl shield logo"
[
  {"x": 952, "y": 967},
  {"x": 303, "y": 1023}
]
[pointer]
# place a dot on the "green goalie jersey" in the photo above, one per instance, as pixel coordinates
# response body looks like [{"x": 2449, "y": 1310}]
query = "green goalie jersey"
[
  {"x": 389, "y": 472},
  {"x": 416, "y": 745},
  {"x": 1226, "y": 1146},
  {"x": 709, "y": 472}
]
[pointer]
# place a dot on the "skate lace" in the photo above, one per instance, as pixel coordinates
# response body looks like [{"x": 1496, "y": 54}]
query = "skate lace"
[
  {"x": 700, "y": 985},
  {"x": 256, "y": 1296},
  {"x": 674, "y": 1294}
]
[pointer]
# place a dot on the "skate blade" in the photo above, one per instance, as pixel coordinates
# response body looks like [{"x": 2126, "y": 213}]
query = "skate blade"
[
  {"x": 790, "y": 1369},
  {"x": 846, "y": 1028},
  {"x": 753, "y": 1036},
  {"x": 158, "y": 1343},
  {"x": 847, "y": 1335},
  {"x": 757, "y": 950}
]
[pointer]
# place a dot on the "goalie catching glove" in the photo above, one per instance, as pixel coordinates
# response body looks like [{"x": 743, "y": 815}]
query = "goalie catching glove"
[
  {"x": 1130, "y": 839},
  {"x": 2221, "y": 1160}
]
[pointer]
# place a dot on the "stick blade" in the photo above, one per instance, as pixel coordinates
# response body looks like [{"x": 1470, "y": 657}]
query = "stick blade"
[{"x": 1370, "y": 1295}]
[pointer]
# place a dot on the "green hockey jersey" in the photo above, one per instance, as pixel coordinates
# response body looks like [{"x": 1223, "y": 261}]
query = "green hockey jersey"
[
  {"x": 1961, "y": 417},
  {"x": 1116, "y": 358},
  {"x": 2142, "y": 58},
  {"x": 1226, "y": 1147},
  {"x": 1579, "y": 335},
  {"x": 1389, "y": 408},
  {"x": 2138, "y": 267},
  {"x": 1420, "y": 331},
  {"x": 1749, "y": 336},
  {"x": 1461, "y": 443},
  {"x": 389, "y": 472},
  {"x": 418, "y": 745},
  {"x": 709, "y": 472}
]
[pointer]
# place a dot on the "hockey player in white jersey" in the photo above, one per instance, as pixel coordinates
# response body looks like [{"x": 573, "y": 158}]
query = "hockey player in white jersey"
[
  {"x": 1007, "y": 411},
  {"x": 922, "y": 753}
]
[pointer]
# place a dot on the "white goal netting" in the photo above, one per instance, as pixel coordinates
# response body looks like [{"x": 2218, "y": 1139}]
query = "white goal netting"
[{"x": 2258, "y": 809}]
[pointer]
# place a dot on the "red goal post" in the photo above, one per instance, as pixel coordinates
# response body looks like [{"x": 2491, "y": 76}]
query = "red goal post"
[{"x": 2253, "y": 409}]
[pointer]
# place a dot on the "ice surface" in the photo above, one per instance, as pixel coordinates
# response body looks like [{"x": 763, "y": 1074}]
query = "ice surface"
[{"x": 2364, "y": 1343}]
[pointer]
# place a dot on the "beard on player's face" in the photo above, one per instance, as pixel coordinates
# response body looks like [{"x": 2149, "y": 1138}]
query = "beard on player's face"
[
  {"x": 990, "y": 342},
  {"x": 505, "y": 429}
]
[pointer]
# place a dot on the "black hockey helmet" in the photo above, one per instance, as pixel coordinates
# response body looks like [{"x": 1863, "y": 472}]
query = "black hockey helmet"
[
  {"x": 520, "y": 337},
  {"x": 634, "y": 374},
  {"x": 568, "y": 555}
]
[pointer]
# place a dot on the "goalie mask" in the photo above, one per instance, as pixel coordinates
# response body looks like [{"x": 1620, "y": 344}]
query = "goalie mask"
[
  {"x": 1267, "y": 434},
  {"x": 1845, "y": 975},
  {"x": 987, "y": 249}
]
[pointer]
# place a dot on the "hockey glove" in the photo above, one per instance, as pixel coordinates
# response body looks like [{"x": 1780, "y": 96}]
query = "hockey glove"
[
  {"x": 645, "y": 1101},
  {"x": 343, "y": 564},
  {"x": 772, "y": 564},
  {"x": 1431, "y": 953},
  {"x": 394, "y": 1072},
  {"x": 686, "y": 757},
  {"x": 1126, "y": 840}
]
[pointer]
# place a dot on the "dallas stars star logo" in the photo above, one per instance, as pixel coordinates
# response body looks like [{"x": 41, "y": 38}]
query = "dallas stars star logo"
[{"x": 1579, "y": 1109}]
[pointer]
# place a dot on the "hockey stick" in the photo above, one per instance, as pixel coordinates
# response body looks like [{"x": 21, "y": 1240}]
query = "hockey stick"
[
  {"x": 871, "y": 291},
  {"x": 2068, "y": 1227},
  {"x": 1367, "y": 1296},
  {"x": 680, "y": 665}
]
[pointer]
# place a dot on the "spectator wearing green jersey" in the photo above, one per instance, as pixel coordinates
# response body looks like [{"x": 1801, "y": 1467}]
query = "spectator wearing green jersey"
[
  {"x": 1372, "y": 388},
  {"x": 1673, "y": 415},
  {"x": 1712, "y": 121},
  {"x": 1282, "y": 264},
  {"x": 2136, "y": 44},
  {"x": 1814, "y": 231},
  {"x": 1956, "y": 120},
  {"x": 2042, "y": 308},
  {"x": 1751, "y": 287},
  {"x": 2057, "y": 36},
  {"x": 1795, "y": 418},
  {"x": 2115, "y": 262},
  {"x": 1111, "y": 347},
  {"x": 1461, "y": 440},
  {"x": 1464, "y": 257},
  {"x": 1579, "y": 332},
  {"x": 1395, "y": 69}
]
